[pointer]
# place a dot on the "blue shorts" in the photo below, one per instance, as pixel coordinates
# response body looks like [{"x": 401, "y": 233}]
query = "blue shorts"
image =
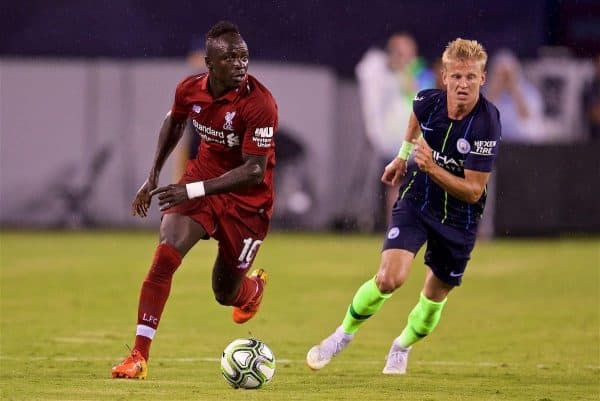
[{"x": 448, "y": 248}]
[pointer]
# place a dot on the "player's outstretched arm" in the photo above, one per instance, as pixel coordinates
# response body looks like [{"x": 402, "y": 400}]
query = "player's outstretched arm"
[
  {"x": 246, "y": 175},
  {"x": 169, "y": 135}
]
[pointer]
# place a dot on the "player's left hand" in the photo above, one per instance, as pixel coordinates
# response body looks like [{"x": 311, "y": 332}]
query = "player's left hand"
[
  {"x": 423, "y": 155},
  {"x": 170, "y": 196}
]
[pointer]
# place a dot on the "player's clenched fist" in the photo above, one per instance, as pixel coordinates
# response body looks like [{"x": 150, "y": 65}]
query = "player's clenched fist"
[
  {"x": 394, "y": 171},
  {"x": 423, "y": 155},
  {"x": 141, "y": 203},
  {"x": 170, "y": 195}
]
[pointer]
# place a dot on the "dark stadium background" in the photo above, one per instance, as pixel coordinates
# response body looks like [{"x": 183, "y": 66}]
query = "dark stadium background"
[{"x": 332, "y": 33}]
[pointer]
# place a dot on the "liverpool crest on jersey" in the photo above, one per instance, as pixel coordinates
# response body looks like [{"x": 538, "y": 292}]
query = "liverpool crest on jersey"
[{"x": 229, "y": 120}]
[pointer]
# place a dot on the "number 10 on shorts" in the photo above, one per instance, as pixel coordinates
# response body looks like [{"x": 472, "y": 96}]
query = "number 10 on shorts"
[{"x": 250, "y": 248}]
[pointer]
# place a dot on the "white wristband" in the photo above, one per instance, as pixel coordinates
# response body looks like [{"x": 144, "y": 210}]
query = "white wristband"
[{"x": 195, "y": 189}]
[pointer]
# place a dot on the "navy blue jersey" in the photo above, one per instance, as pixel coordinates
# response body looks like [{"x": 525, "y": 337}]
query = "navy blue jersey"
[{"x": 470, "y": 143}]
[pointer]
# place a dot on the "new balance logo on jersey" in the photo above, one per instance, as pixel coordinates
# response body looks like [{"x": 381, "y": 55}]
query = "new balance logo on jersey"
[
  {"x": 263, "y": 137},
  {"x": 419, "y": 98},
  {"x": 196, "y": 108}
]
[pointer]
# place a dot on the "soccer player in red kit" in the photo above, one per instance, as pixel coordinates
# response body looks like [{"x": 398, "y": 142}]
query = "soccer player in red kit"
[{"x": 225, "y": 193}]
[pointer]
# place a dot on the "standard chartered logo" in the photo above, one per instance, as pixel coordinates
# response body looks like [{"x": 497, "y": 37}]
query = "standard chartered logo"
[
  {"x": 203, "y": 129},
  {"x": 210, "y": 134}
]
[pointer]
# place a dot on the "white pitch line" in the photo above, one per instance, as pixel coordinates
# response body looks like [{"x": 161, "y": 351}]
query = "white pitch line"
[{"x": 280, "y": 360}]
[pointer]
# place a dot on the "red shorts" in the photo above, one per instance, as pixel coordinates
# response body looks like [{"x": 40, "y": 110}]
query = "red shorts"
[{"x": 238, "y": 230}]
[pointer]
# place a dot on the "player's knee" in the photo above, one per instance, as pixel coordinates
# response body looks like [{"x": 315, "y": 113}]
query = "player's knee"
[
  {"x": 393, "y": 270},
  {"x": 225, "y": 298},
  {"x": 387, "y": 283},
  {"x": 175, "y": 243},
  {"x": 180, "y": 232}
]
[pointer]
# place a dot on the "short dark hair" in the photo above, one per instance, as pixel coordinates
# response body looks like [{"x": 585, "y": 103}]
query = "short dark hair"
[{"x": 221, "y": 28}]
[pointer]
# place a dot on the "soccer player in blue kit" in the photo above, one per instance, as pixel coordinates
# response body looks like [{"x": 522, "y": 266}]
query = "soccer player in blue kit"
[{"x": 440, "y": 202}]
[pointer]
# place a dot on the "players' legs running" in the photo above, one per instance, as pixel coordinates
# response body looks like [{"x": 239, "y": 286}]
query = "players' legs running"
[
  {"x": 368, "y": 300},
  {"x": 240, "y": 234},
  {"x": 370, "y": 297},
  {"x": 423, "y": 318},
  {"x": 233, "y": 287},
  {"x": 226, "y": 282},
  {"x": 177, "y": 236}
]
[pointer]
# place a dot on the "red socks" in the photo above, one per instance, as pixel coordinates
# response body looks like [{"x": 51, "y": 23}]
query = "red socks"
[{"x": 154, "y": 294}]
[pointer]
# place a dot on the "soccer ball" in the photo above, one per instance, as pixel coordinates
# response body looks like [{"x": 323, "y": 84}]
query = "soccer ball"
[{"x": 247, "y": 363}]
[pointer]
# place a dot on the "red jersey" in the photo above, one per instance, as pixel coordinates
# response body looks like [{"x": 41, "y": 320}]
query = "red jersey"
[{"x": 243, "y": 120}]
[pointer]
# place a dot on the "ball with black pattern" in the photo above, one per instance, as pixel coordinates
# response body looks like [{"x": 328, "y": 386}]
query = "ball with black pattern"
[{"x": 247, "y": 363}]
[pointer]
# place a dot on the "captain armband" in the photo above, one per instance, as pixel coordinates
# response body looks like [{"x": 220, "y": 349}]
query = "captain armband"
[
  {"x": 405, "y": 150},
  {"x": 195, "y": 189}
]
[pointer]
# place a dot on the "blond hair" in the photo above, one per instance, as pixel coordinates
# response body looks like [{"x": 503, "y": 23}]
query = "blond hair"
[{"x": 464, "y": 49}]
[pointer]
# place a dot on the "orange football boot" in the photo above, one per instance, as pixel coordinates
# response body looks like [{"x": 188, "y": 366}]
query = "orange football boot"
[
  {"x": 244, "y": 313},
  {"x": 132, "y": 367}
]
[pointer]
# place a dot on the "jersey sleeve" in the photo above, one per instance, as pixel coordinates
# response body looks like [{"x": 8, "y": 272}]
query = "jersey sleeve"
[
  {"x": 179, "y": 111},
  {"x": 424, "y": 101},
  {"x": 485, "y": 143},
  {"x": 261, "y": 125}
]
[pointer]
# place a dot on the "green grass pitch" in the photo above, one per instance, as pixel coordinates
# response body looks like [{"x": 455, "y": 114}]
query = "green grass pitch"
[{"x": 523, "y": 326}]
